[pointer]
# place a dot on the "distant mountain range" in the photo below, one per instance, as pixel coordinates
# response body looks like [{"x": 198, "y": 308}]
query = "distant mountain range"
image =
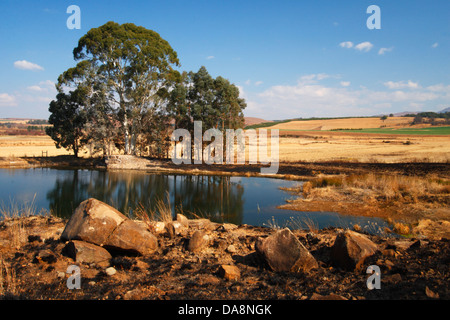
[{"x": 401, "y": 114}]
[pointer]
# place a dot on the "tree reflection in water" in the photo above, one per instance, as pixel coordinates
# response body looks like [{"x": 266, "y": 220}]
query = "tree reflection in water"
[{"x": 216, "y": 197}]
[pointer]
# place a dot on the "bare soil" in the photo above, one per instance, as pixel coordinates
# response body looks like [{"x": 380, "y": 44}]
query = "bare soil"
[{"x": 33, "y": 266}]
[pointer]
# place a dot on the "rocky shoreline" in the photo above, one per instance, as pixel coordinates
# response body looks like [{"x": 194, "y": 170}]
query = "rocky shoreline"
[{"x": 199, "y": 259}]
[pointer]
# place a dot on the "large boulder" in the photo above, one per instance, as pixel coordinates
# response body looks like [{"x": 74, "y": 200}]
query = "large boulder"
[
  {"x": 284, "y": 252},
  {"x": 93, "y": 221},
  {"x": 350, "y": 249},
  {"x": 98, "y": 223}
]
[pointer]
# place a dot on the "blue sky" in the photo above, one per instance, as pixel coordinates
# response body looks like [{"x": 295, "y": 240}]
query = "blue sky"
[{"x": 290, "y": 58}]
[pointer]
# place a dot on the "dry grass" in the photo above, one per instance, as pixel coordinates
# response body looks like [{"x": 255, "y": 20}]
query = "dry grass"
[
  {"x": 377, "y": 187},
  {"x": 29, "y": 146},
  {"x": 162, "y": 211},
  {"x": 11, "y": 215},
  {"x": 402, "y": 200},
  {"x": 8, "y": 279}
]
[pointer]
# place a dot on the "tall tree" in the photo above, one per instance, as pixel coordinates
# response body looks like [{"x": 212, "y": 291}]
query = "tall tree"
[{"x": 134, "y": 63}]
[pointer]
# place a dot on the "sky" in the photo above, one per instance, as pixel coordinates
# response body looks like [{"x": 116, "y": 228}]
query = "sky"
[{"x": 289, "y": 58}]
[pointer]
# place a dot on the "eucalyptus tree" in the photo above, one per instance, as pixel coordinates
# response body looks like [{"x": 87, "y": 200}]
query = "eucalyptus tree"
[{"x": 134, "y": 64}]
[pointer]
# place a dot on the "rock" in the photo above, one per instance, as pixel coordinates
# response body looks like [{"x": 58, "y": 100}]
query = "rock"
[
  {"x": 402, "y": 244},
  {"x": 182, "y": 220},
  {"x": 110, "y": 271},
  {"x": 131, "y": 237},
  {"x": 227, "y": 227},
  {"x": 229, "y": 272},
  {"x": 157, "y": 226},
  {"x": 98, "y": 223},
  {"x": 84, "y": 252},
  {"x": 93, "y": 221},
  {"x": 174, "y": 228},
  {"x": 203, "y": 224},
  {"x": 350, "y": 249},
  {"x": 284, "y": 252},
  {"x": 198, "y": 241},
  {"x": 231, "y": 249}
]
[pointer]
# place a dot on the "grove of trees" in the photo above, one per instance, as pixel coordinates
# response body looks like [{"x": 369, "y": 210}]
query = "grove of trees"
[{"x": 125, "y": 93}]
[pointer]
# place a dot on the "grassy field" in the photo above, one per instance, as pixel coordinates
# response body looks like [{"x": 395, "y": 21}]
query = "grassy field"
[
  {"x": 406, "y": 131},
  {"x": 340, "y": 139},
  {"x": 29, "y": 146}
]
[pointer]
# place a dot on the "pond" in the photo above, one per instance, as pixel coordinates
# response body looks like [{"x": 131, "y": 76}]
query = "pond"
[{"x": 238, "y": 200}]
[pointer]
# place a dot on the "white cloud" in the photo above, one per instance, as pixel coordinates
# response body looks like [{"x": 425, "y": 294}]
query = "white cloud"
[
  {"x": 384, "y": 50},
  {"x": 7, "y": 100},
  {"x": 35, "y": 88},
  {"x": 258, "y": 83},
  {"x": 242, "y": 93},
  {"x": 310, "y": 97},
  {"x": 346, "y": 44},
  {"x": 435, "y": 45},
  {"x": 44, "y": 86},
  {"x": 364, "y": 46},
  {"x": 210, "y": 57},
  {"x": 26, "y": 65},
  {"x": 401, "y": 85}
]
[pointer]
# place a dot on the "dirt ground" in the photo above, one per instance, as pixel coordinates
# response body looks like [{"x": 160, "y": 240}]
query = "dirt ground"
[{"x": 33, "y": 266}]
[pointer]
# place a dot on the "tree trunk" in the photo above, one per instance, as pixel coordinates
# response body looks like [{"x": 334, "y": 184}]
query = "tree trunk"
[{"x": 127, "y": 134}]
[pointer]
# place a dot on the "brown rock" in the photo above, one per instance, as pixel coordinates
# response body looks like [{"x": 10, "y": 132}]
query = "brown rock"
[
  {"x": 229, "y": 272},
  {"x": 183, "y": 220},
  {"x": 93, "y": 221},
  {"x": 284, "y": 252},
  {"x": 129, "y": 236},
  {"x": 350, "y": 249},
  {"x": 84, "y": 252},
  {"x": 98, "y": 223},
  {"x": 198, "y": 241}
]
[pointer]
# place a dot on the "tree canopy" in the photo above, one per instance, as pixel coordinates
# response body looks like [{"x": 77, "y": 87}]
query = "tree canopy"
[{"x": 129, "y": 92}]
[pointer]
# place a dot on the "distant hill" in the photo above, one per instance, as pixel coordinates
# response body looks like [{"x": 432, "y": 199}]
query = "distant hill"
[
  {"x": 249, "y": 121},
  {"x": 444, "y": 110}
]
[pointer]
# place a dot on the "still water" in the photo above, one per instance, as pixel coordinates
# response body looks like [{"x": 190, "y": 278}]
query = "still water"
[{"x": 238, "y": 200}]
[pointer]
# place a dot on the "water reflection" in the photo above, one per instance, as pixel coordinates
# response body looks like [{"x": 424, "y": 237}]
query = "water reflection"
[
  {"x": 214, "y": 196},
  {"x": 238, "y": 200}
]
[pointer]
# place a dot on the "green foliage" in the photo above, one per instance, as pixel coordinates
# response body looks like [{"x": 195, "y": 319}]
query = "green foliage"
[
  {"x": 68, "y": 118},
  {"x": 125, "y": 91}
]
